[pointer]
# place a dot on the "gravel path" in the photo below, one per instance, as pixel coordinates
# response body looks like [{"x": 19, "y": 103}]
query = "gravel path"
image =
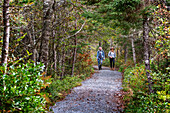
[{"x": 96, "y": 95}]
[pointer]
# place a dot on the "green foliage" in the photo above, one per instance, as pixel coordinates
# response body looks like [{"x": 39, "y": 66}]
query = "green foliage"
[
  {"x": 20, "y": 88},
  {"x": 140, "y": 100},
  {"x": 160, "y": 32},
  {"x": 59, "y": 88},
  {"x": 119, "y": 62},
  {"x": 123, "y": 67},
  {"x": 132, "y": 74},
  {"x": 161, "y": 84},
  {"x": 142, "y": 103},
  {"x": 106, "y": 62}
]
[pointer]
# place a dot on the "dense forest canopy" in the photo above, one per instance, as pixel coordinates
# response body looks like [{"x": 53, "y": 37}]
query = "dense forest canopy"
[{"x": 48, "y": 46}]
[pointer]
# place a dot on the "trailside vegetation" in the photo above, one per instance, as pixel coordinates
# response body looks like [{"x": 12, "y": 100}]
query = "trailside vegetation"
[
  {"x": 47, "y": 47},
  {"x": 140, "y": 33}
]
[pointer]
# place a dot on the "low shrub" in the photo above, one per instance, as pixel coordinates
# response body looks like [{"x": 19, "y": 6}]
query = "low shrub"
[
  {"x": 140, "y": 100},
  {"x": 58, "y": 89},
  {"x": 20, "y": 88},
  {"x": 128, "y": 64},
  {"x": 106, "y": 62}
]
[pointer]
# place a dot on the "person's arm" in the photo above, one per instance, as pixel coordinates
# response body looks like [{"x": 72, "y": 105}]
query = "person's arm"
[
  {"x": 103, "y": 55},
  {"x": 97, "y": 54},
  {"x": 109, "y": 54}
]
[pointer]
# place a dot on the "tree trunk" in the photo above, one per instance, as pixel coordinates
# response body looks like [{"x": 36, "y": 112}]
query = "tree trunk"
[
  {"x": 133, "y": 50},
  {"x": 117, "y": 49},
  {"x": 6, "y": 35},
  {"x": 111, "y": 42},
  {"x": 100, "y": 43},
  {"x": 75, "y": 52},
  {"x": 54, "y": 55},
  {"x": 146, "y": 50},
  {"x": 44, "y": 47},
  {"x": 63, "y": 62},
  {"x": 158, "y": 63},
  {"x": 125, "y": 52},
  {"x": 34, "y": 40}
]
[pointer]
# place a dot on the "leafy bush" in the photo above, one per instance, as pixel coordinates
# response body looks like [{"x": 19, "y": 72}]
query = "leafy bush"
[
  {"x": 59, "y": 88},
  {"x": 144, "y": 103},
  {"x": 20, "y": 88},
  {"x": 84, "y": 64},
  {"x": 106, "y": 62},
  {"x": 135, "y": 78},
  {"x": 128, "y": 64},
  {"x": 141, "y": 101}
]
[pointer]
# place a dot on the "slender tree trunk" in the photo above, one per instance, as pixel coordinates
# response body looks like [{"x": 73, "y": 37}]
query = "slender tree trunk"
[
  {"x": 125, "y": 52},
  {"x": 34, "y": 40},
  {"x": 158, "y": 63},
  {"x": 55, "y": 59},
  {"x": 44, "y": 47},
  {"x": 54, "y": 55},
  {"x": 146, "y": 50},
  {"x": 111, "y": 42},
  {"x": 100, "y": 43},
  {"x": 75, "y": 52},
  {"x": 117, "y": 50},
  {"x": 63, "y": 62},
  {"x": 6, "y": 35},
  {"x": 133, "y": 50},
  {"x": 104, "y": 46}
]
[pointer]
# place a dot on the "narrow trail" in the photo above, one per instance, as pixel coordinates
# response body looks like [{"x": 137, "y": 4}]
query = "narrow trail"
[{"x": 96, "y": 95}]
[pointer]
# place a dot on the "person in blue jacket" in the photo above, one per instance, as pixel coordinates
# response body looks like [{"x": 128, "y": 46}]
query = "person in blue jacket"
[{"x": 100, "y": 57}]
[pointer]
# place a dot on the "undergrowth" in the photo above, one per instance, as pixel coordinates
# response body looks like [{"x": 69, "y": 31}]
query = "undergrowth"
[{"x": 138, "y": 99}]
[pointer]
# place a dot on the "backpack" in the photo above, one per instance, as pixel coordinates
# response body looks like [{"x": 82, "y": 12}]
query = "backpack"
[{"x": 100, "y": 54}]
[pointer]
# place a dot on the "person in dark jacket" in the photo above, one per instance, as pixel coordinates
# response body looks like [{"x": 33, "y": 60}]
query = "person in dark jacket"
[{"x": 100, "y": 57}]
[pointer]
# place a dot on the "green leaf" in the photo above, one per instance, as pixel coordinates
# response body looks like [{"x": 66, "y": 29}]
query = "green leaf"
[{"x": 22, "y": 37}]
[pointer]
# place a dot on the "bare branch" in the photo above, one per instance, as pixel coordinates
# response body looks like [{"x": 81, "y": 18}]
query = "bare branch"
[{"x": 75, "y": 33}]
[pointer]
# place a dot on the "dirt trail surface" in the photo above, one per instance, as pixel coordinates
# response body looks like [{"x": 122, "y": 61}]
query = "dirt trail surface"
[{"x": 96, "y": 95}]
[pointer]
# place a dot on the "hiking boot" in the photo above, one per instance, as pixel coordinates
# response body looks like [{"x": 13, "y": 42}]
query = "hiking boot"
[{"x": 113, "y": 69}]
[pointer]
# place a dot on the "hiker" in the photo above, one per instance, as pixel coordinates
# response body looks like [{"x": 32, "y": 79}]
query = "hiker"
[
  {"x": 112, "y": 56},
  {"x": 100, "y": 57}
]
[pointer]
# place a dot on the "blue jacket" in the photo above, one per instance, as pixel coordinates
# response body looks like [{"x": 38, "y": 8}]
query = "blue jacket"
[{"x": 103, "y": 55}]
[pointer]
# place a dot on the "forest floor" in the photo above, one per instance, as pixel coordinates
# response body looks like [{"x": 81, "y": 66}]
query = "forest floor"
[{"x": 99, "y": 94}]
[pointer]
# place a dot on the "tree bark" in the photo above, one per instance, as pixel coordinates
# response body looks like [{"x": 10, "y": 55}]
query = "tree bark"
[
  {"x": 63, "y": 62},
  {"x": 111, "y": 42},
  {"x": 146, "y": 50},
  {"x": 75, "y": 52},
  {"x": 44, "y": 46},
  {"x": 125, "y": 52},
  {"x": 54, "y": 55},
  {"x": 6, "y": 35},
  {"x": 133, "y": 50},
  {"x": 100, "y": 43},
  {"x": 34, "y": 56},
  {"x": 117, "y": 50}
]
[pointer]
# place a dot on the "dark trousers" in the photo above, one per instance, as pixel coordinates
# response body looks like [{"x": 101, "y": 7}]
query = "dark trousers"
[
  {"x": 112, "y": 62},
  {"x": 100, "y": 61}
]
